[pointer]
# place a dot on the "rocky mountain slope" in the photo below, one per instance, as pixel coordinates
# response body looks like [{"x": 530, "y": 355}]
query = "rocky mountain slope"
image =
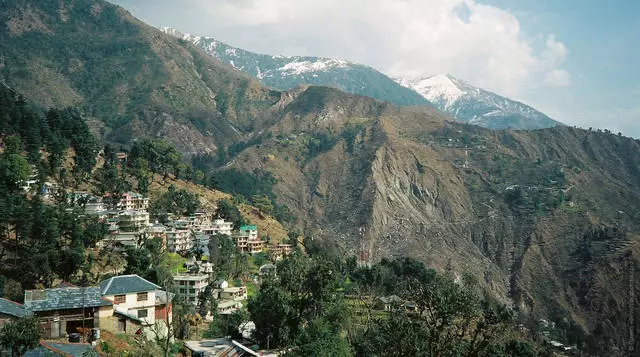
[
  {"x": 548, "y": 219},
  {"x": 130, "y": 78},
  {"x": 544, "y": 218},
  {"x": 473, "y": 105},
  {"x": 284, "y": 73}
]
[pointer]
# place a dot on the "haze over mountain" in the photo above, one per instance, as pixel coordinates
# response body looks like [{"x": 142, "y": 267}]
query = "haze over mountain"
[
  {"x": 548, "y": 219},
  {"x": 473, "y": 105}
]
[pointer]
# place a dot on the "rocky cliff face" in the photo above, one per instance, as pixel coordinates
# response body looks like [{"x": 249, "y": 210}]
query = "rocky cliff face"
[{"x": 539, "y": 217}]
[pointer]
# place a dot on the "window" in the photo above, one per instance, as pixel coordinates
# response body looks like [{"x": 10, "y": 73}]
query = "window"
[
  {"x": 142, "y": 296},
  {"x": 120, "y": 299},
  {"x": 142, "y": 314}
]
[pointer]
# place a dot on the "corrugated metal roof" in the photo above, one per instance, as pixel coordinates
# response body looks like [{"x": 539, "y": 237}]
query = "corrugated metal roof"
[
  {"x": 64, "y": 298},
  {"x": 126, "y": 284}
]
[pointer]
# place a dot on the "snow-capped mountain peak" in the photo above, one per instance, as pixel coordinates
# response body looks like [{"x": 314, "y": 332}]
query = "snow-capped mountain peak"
[
  {"x": 474, "y": 105},
  {"x": 442, "y": 88}
]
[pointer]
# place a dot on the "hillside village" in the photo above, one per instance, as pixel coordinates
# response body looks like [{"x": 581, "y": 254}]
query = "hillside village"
[{"x": 130, "y": 304}]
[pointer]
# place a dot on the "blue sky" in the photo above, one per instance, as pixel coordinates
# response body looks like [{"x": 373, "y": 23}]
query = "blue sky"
[
  {"x": 603, "y": 40},
  {"x": 576, "y": 60}
]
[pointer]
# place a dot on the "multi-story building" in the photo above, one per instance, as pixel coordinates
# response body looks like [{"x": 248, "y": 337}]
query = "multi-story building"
[
  {"x": 132, "y": 201},
  {"x": 250, "y": 232},
  {"x": 191, "y": 286},
  {"x": 279, "y": 251},
  {"x": 157, "y": 230},
  {"x": 220, "y": 226},
  {"x": 63, "y": 310},
  {"x": 179, "y": 240},
  {"x": 234, "y": 293},
  {"x": 201, "y": 243},
  {"x": 247, "y": 240},
  {"x": 254, "y": 246},
  {"x": 133, "y": 221},
  {"x": 122, "y": 304}
]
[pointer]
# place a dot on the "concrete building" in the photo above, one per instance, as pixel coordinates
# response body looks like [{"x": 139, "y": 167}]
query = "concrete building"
[
  {"x": 249, "y": 232},
  {"x": 191, "y": 286},
  {"x": 220, "y": 226},
  {"x": 133, "y": 221},
  {"x": 157, "y": 230},
  {"x": 234, "y": 293},
  {"x": 132, "y": 201},
  {"x": 179, "y": 240}
]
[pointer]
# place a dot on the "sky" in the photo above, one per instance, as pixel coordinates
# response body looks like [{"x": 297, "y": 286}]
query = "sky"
[{"x": 578, "y": 61}]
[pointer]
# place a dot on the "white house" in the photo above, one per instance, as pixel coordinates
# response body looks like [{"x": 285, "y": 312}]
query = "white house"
[{"x": 138, "y": 304}]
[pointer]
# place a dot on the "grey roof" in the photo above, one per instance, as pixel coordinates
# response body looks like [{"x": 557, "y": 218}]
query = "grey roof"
[
  {"x": 48, "y": 349},
  {"x": 64, "y": 298},
  {"x": 13, "y": 308},
  {"x": 162, "y": 297},
  {"x": 126, "y": 284}
]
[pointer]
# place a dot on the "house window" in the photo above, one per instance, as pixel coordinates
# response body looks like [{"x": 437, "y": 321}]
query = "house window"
[
  {"x": 120, "y": 299},
  {"x": 142, "y": 296},
  {"x": 142, "y": 314}
]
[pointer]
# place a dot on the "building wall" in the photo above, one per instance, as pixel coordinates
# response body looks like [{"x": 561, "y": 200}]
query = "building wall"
[{"x": 132, "y": 305}]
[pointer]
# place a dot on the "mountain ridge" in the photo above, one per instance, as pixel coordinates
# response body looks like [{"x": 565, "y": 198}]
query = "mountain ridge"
[
  {"x": 474, "y": 105},
  {"x": 287, "y": 72}
]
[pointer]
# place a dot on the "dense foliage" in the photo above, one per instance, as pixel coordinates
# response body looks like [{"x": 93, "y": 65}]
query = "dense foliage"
[
  {"x": 320, "y": 307},
  {"x": 21, "y": 335},
  {"x": 42, "y": 241}
]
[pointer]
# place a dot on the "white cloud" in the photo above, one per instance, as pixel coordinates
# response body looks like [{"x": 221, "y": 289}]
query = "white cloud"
[
  {"x": 558, "y": 78},
  {"x": 479, "y": 43}
]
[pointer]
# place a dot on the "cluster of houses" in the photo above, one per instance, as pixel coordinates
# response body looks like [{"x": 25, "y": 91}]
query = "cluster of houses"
[
  {"x": 129, "y": 222},
  {"x": 125, "y": 304}
]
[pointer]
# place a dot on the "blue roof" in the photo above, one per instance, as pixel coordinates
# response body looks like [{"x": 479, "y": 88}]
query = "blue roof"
[
  {"x": 64, "y": 298},
  {"x": 13, "y": 308},
  {"x": 126, "y": 284}
]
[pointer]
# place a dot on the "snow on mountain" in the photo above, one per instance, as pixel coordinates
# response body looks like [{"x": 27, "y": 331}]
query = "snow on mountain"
[
  {"x": 474, "y": 105},
  {"x": 321, "y": 64},
  {"x": 287, "y": 72}
]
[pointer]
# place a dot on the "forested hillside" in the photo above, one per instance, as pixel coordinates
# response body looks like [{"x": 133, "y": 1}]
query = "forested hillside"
[{"x": 129, "y": 79}]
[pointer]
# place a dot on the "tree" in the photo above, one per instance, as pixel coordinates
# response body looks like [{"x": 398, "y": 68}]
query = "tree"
[
  {"x": 180, "y": 202},
  {"x": 228, "y": 211},
  {"x": 222, "y": 253},
  {"x": 13, "y": 290},
  {"x": 272, "y": 314},
  {"x": 21, "y": 335},
  {"x": 263, "y": 203}
]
